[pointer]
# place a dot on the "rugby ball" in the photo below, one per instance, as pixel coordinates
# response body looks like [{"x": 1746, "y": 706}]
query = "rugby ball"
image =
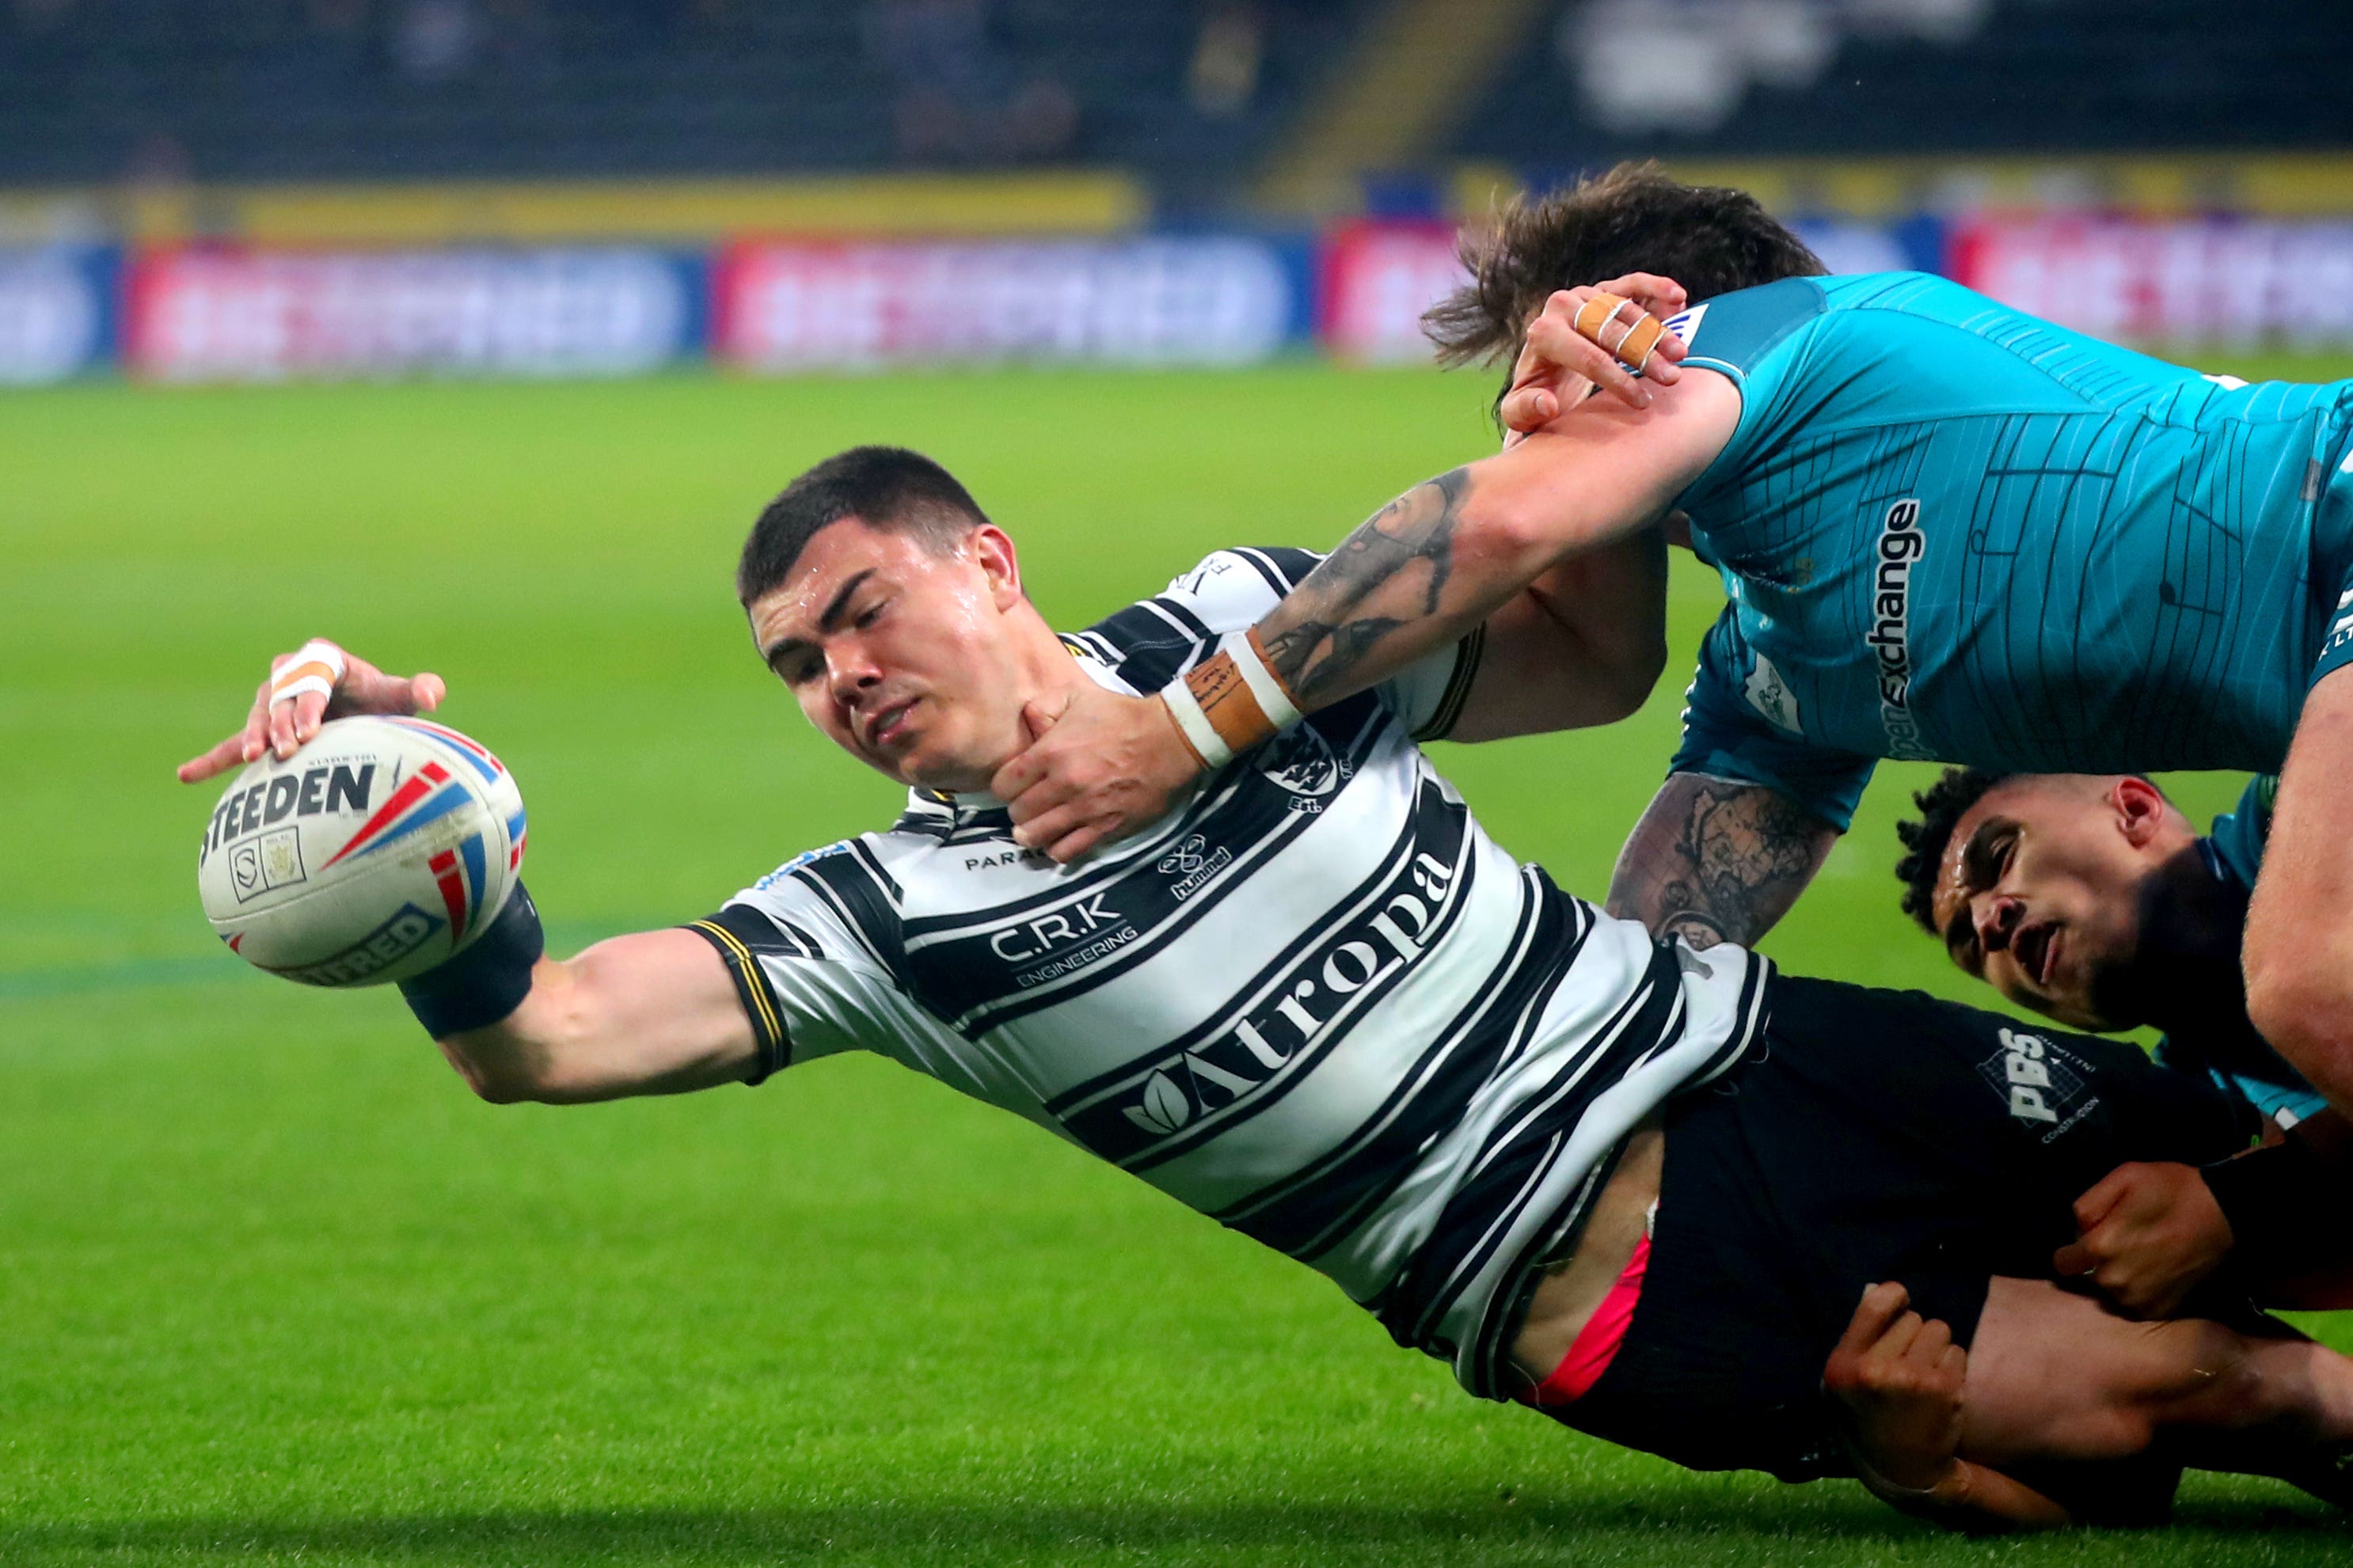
[{"x": 375, "y": 852}]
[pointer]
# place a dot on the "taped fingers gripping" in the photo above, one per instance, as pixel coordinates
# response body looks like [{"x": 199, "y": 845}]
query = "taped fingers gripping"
[
  {"x": 1641, "y": 341},
  {"x": 1596, "y": 313},
  {"x": 1638, "y": 337},
  {"x": 316, "y": 666}
]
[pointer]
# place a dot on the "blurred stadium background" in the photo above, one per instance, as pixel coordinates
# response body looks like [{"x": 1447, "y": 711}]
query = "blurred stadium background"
[
  {"x": 246, "y": 189},
  {"x": 474, "y": 332}
]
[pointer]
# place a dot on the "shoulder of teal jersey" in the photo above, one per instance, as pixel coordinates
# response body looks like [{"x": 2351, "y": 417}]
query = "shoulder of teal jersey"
[
  {"x": 1732, "y": 333},
  {"x": 2239, "y": 834},
  {"x": 1813, "y": 355},
  {"x": 1736, "y": 335}
]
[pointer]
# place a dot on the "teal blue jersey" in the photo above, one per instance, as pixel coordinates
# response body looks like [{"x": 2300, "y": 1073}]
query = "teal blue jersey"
[
  {"x": 1950, "y": 531},
  {"x": 2234, "y": 852}
]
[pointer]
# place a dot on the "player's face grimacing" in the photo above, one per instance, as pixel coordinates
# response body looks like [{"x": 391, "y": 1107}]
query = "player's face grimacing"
[
  {"x": 911, "y": 658},
  {"x": 2045, "y": 887}
]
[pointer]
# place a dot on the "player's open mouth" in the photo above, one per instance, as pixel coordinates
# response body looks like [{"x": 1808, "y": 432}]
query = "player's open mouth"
[
  {"x": 889, "y": 724},
  {"x": 2037, "y": 947}
]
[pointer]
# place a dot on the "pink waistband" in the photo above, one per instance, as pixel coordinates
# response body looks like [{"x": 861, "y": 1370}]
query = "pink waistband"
[{"x": 1596, "y": 1344}]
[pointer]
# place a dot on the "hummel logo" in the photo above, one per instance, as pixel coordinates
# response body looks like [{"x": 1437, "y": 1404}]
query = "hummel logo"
[
  {"x": 1192, "y": 864},
  {"x": 1184, "y": 860}
]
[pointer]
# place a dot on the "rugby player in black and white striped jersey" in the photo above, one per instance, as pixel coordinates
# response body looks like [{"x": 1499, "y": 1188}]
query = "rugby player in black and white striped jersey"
[{"x": 1318, "y": 1003}]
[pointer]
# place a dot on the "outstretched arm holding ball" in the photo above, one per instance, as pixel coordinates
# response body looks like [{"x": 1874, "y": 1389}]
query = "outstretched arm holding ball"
[{"x": 652, "y": 1013}]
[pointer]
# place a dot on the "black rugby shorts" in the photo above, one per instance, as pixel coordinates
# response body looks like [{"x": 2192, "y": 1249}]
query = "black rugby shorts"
[{"x": 1872, "y": 1135}]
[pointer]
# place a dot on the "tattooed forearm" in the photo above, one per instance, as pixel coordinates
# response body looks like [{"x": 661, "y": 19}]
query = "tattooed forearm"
[
  {"x": 1390, "y": 574},
  {"x": 1714, "y": 861}
]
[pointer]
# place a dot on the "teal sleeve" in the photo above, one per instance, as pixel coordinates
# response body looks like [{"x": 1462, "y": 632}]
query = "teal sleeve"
[
  {"x": 2337, "y": 648},
  {"x": 1726, "y": 736},
  {"x": 2264, "y": 1081},
  {"x": 2238, "y": 833}
]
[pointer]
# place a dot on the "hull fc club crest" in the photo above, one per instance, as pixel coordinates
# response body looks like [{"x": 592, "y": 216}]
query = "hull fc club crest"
[{"x": 1302, "y": 764}]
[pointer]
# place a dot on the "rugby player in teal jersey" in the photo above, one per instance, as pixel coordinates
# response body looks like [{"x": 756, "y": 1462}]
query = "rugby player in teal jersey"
[
  {"x": 2152, "y": 914},
  {"x": 2151, "y": 910},
  {"x": 1948, "y": 530}
]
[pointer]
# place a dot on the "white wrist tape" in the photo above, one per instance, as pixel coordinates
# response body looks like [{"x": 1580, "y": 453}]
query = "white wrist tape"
[
  {"x": 1280, "y": 711},
  {"x": 316, "y": 666},
  {"x": 1186, "y": 708}
]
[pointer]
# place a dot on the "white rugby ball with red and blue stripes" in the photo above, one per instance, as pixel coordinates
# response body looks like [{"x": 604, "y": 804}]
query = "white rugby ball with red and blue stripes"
[{"x": 377, "y": 851}]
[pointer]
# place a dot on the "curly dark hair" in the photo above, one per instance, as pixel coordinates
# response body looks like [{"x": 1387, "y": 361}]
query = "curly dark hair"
[
  {"x": 1711, "y": 239},
  {"x": 1941, "y": 806}
]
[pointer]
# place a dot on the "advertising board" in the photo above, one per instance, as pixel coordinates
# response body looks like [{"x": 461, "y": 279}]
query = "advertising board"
[
  {"x": 2190, "y": 282},
  {"x": 1205, "y": 300},
  {"x": 203, "y": 314},
  {"x": 57, "y": 313}
]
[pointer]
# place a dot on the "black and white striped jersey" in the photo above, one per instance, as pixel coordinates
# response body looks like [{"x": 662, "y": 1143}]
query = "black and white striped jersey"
[{"x": 1317, "y": 1002}]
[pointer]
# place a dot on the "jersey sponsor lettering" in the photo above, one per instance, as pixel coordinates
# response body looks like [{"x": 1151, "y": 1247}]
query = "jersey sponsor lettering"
[
  {"x": 989, "y": 859},
  {"x": 1033, "y": 939},
  {"x": 1901, "y": 544},
  {"x": 1296, "y": 1008}
]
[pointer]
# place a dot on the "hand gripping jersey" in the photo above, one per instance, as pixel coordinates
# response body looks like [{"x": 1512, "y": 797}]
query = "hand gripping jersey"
[
  {"x": 1951, "y": 531},
  {"x": 1318, "y": 1003}
]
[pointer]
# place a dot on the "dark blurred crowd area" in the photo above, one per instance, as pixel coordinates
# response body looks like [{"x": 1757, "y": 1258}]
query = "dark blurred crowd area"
[
  {"x": 106, "y": 90},
  {"x": 1191, "y": 94}
]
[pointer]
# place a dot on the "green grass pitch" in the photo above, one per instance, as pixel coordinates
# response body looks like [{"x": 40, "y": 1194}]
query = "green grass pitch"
[{"x": 275, "y": 1289}]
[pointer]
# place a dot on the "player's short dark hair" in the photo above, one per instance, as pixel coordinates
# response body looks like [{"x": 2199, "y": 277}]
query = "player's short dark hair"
[
  {"x": 882, "y": 487},
  {"x": 1941, "y": 806},
  {"x": 1709, "y": 238}
]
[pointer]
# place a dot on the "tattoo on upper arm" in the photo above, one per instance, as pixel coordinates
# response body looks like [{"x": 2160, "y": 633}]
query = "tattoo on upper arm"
[
  {"x": 1316, "y": 640},
  {"x": 1717, "y": 862}
]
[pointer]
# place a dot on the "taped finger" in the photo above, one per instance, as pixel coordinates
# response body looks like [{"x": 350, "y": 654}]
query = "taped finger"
[
  {"x": 1595, "y": 313},
  {"x": 316, "y": 666},
  {"x": 1641, "y": 341},
  {"x": 1581, "y": 356}
]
